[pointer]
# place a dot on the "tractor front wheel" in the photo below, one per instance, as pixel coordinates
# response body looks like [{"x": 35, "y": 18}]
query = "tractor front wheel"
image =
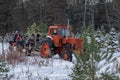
[
  {"x": 45, "y": 50},
  {"x": 67, "y": 55},
  {"x": 45, "y": 47}
]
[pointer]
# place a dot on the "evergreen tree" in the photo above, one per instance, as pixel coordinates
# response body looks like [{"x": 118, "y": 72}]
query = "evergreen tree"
[
  {"x": 90, "y": 62},
  {"x": 85, "y": 67},
  {"x": 41, "y": 28}
]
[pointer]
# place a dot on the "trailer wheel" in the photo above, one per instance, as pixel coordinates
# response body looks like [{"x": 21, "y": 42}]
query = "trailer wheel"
[{"x": 67, "y": 55}]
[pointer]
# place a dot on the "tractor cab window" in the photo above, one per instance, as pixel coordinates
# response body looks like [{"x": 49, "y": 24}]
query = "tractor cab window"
[
  {"x": 63, "y": 32},
  {"x": 53, "y": 32}
]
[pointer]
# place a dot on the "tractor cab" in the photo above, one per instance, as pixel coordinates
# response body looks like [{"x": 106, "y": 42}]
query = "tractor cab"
[
  {"x": 59, "y": 30},
  {"x": 58, "y": 33},
  {"x": 63, "y": 32}
]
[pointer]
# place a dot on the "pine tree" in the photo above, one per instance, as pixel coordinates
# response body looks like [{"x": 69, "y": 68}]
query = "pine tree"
[
  {"x": 41, "y": 28},
  {"x": 88, "y": 64},
  {"x": 85, "y": 67}
]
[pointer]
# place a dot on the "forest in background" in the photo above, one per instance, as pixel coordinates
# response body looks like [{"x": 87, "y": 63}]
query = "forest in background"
[{"x": 20, "y": 14}]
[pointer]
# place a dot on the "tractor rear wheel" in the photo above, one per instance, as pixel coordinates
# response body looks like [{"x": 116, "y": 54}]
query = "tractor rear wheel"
[
  {"x": 45, "y": 47},
  {"x": 67, "y": 55}
]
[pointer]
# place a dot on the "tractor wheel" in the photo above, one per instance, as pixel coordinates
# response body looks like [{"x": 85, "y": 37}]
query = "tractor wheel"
[
  {"x": 45, "y": 48},
  {"x": 67, "y": 55}
]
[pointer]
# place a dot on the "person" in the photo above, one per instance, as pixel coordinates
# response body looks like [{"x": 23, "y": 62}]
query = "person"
[
  {"x": 20, "y": 41},
  {"x": 13, "y": 41},
  {"x": 18, "y": 38},
  {"x": 29, "y": 46},
  {"x": 37, "y": 37},
  {"x": 15, "y": 36}
]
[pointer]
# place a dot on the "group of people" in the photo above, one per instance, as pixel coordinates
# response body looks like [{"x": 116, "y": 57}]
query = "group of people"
[{"x": 23, "y": 41}]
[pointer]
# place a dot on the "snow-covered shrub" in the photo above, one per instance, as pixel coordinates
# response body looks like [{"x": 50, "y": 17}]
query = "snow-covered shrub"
[
  {"x": 4, "y": 71},
  {"x": 112, "y": 40},
  {"x": 110, "y": 49},
  {"x": 108, "y": 41}
]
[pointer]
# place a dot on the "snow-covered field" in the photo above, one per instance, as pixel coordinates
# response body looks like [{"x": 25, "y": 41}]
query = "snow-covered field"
[
  {"x": 52, "y": 69},
  {"x": 37, "y": 68}
]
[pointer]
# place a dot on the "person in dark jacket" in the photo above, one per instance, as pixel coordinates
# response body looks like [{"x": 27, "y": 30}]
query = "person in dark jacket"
[{"x": 20, "y": 41}]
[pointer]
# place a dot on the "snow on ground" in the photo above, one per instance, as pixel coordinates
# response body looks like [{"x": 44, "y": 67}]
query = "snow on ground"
[
  {"x": 109, "y": 66},
  {"x": 37, "y": 68},
  {"x": 5, "y": 46}
]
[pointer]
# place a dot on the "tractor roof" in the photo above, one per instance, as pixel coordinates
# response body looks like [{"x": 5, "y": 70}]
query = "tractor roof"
[{"x": 58, "y": 26}]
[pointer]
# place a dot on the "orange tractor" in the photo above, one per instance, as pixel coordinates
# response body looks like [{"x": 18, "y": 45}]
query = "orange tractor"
[{"x": 59, "y": 41}]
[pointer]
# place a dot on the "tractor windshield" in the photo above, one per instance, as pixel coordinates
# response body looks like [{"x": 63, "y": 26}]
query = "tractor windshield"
[{"x": 63, "y": 32}]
